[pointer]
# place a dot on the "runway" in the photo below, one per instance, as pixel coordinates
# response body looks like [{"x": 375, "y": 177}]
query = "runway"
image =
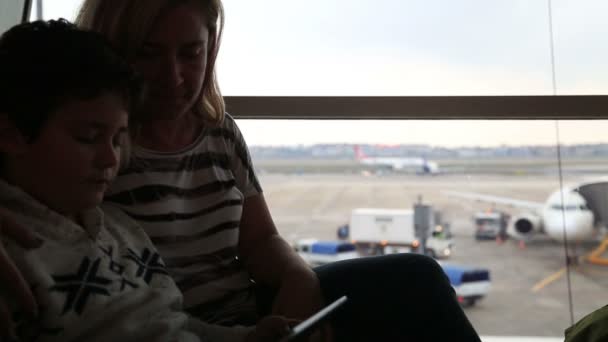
[{"x": 530, "y": 294}]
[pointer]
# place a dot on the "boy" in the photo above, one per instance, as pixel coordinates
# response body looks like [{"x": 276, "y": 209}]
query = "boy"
[{"x": 65, "y": 99}]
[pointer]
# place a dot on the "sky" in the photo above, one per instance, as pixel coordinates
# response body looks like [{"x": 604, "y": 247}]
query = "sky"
[{"x": 410, "y": 47}]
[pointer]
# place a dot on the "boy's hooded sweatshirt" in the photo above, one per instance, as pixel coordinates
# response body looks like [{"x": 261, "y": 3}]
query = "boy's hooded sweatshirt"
[{"x": 102, "y": 280}]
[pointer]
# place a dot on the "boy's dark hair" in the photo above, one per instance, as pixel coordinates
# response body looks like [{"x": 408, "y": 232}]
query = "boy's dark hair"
[{"x": 44, "y": 64}]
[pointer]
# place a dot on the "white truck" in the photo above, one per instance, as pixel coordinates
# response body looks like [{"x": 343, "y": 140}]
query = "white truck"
[{"x": 384, "y": 231}]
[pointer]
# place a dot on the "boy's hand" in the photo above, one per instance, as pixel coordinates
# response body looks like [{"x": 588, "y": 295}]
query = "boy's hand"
[
  {"x": 13, "y": 283},
  {"x": 271, "y": 329}
]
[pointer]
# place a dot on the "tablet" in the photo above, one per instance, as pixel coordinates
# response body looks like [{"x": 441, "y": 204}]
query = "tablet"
[{"x": 322, "y": 315}]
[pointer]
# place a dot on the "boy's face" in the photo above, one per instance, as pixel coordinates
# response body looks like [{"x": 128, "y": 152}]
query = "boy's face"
[{"x": 68, "y": 167}]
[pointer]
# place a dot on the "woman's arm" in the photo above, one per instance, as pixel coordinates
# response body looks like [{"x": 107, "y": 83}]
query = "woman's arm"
[{"x": 271, "y": 261}]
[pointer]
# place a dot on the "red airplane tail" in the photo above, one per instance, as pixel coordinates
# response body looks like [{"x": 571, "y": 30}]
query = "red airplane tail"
[{"x": 359, "y": 154}]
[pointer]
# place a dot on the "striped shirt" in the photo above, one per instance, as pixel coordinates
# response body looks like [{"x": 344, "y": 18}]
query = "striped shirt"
[{"x": 190, "y": 204}]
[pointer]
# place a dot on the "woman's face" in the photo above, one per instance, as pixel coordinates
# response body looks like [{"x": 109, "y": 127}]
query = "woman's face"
[{"x": 172, "y": 60}]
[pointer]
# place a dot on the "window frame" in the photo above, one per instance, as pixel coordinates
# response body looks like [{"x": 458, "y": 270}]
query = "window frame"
[
  {"x": 530, "y": 107},
  {"x": 27, "y": 9}
]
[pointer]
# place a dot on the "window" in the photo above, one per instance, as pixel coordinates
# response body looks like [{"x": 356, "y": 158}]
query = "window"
[
  {"x": 412, "y": 48},
  {"x": 313, "y": 180},
  {"x": 12, "y": 12}
]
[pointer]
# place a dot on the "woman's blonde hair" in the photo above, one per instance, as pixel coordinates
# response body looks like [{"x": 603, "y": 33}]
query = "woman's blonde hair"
[{"x": 126, "y": 24}]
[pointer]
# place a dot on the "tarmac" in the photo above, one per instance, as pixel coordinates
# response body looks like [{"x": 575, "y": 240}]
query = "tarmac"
[{"x": 533, "y": 292}]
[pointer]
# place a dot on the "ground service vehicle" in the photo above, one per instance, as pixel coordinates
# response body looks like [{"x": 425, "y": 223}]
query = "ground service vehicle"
[
  {"x": 384, "y": 231},
  {"x": 490, "y": 225},
  {"x": 470, "y": 283},
  {"x": 317, "y": 253}
]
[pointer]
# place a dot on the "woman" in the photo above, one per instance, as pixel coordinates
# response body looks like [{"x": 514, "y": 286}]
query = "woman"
[{"x": 191, "y": 186}]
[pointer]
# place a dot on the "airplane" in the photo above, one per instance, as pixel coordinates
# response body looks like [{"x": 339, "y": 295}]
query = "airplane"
[
  {"x": 574, "y": 214},
  {"x": 421, "y": 165}
]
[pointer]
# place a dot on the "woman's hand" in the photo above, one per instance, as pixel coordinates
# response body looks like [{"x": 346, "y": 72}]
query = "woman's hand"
[
  {"x": 300, "y": 296},
  {"x": 13, "y": 283},
  {"x": 269, "y": 329}
]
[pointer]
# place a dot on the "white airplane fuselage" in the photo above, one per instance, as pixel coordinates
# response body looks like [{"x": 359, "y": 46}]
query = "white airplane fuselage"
[
  {"x": 423, "y": 165},
  {"x": 572, "y": 219},
  {"x": 396, "y": 163}
]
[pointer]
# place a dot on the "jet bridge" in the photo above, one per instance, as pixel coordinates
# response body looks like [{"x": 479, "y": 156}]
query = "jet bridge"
[{"x": 596, "y": 195}]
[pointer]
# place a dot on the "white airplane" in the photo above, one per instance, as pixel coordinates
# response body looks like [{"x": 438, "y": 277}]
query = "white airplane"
[
  {"x": 573, "y": 214},
  {"x": 421, "y": 165}
]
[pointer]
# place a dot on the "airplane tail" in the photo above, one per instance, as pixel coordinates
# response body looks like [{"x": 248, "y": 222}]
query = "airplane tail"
[{"x": 359, "y": 154}]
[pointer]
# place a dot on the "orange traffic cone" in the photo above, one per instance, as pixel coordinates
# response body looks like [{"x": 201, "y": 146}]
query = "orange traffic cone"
[{"x": 522, "y": 244}]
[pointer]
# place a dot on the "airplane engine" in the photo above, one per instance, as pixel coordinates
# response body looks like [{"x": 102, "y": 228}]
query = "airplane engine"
[{"x": 525, "y": 225}]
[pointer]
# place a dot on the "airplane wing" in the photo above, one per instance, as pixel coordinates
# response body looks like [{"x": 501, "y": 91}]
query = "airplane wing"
[{"x": 495, "y": 199}]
